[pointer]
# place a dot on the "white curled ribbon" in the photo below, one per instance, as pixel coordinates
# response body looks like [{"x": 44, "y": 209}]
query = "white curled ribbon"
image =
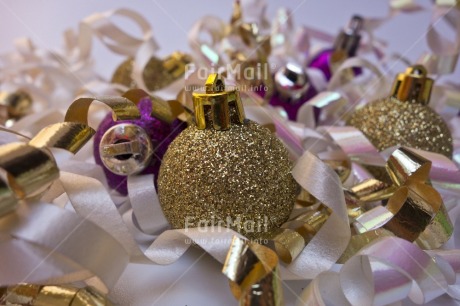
[
  {"x": 328, "y": 244},
  {"x": 338, "y": 99},
  {"x": 59, "y": 75},
  {"x": 444, "y": 172},
  {"x": 91, "y": 200},
  {"x": 210, "y": 38},
  {"x": 111, "y": 35},
  {"x": 84, "y": 192},
  {"x": 444, "y": 53},
  {"x": 58, "y": 232},
  {"x": 146, "y": 205},
  {"x": 364, "y": 279},
  {"x": 204, "y": 37}
]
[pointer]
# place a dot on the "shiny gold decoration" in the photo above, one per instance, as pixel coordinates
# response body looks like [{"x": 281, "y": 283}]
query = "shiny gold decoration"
[
  {"x": 391, "y": 122},
  {"x": 259, "y": 47},
  {"x": 122, "y": 108},
  {"x": 414, "y": 210},
  {"x": 253, "y": 273},
  {"x": 63, "y": 295},
  {"x": 448, "y": 3},
  {"x": 69, "y": 136},
  {"x": 289, "y": 240},
  {"x": 14, "y": 106},
  {"x": 233, "y": 172},
  {"x": 371, "y": 190},
  {"x": 157, "y": 74},
  {"x": 30, "y": 167},
  {"x": 413, "y": 85},
  {"x": 341, "y": 166},
  {"x": 216, "y": 102},
  {"x": 166, "y": 111}
]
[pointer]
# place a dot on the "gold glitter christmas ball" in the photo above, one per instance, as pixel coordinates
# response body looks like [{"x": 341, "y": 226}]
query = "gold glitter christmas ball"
[
  {"x": 404, "y": 118},
  {"x": 227, "y": 171},
  {"x": 390, "y": 122}
]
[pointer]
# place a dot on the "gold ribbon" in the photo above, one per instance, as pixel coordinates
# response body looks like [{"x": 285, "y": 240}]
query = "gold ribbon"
[
  {"x": 36, "y": 295},
  {"x": 253, "y": 273},
  {"x": 412, "y": 210},
  {"x": 289, "y": 240},
  {"x": 156, "y": 74},
  {"x": 30, "y": 168}
]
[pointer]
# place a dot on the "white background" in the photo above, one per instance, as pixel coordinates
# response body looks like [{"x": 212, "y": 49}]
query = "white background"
[{"x": 193, "y": 280}]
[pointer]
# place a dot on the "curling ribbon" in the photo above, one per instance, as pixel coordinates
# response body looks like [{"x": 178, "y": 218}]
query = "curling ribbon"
[
  {"x": 444, "y": 53},
  {"x": 29, "y": 294},
  {"x": 31, "y": 168},
  {"x": 225, "y": 37},
  {"x": 253, "y": 273},
  {"x": 243, "y": 41},
  {"x": 339, "y": 98},
  {"x": 47, "y": 244},
  {"x": 414, "y": 211},
  {"x": 60, "y": 75},
  {"x": 112, "y": 36},
  {"x": 364, "y": 279}
]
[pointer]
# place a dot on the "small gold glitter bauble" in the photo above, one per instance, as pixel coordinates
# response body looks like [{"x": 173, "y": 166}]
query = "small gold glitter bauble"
[
  {"x": 157, "y": 74},
  {"x": 226, "y": 170},
  {"x": 390, "y": 122}
]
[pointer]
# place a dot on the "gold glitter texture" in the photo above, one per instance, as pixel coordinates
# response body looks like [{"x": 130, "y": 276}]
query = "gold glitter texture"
[
  {"x": 242, "y": 173},
  {"x": 390, "y": 122}
]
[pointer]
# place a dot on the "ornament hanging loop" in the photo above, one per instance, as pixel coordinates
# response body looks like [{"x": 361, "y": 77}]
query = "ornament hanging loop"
[
  {"x": 413, "y": 85},
  {"x": 217, "y": 106}
]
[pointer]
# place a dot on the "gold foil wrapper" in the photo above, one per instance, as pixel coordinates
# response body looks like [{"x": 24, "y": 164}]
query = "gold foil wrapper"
[
  {"x": 69, "y": 136},
  {"x": 413, "y": 209},
  {"x": 289, "y": 240},
  {"x": 64, "y": 295},
  {"x": 14, "y": 106},
  {"x": 157, "y": 73},
  {"x": 253, "y": 273},
  {"x": 166, "y": 111}
]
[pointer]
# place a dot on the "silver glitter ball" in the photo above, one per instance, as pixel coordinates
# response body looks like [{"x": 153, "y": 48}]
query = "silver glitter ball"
[
  {"x": 126, "y": 149},
  {"x": 291, "y": 81}
]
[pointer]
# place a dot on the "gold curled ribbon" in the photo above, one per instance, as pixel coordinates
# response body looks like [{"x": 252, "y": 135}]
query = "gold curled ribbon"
[
  {"x": 36, "y": 295},
  {"x": 157, "y": 73},
  {"x": 412, "y": 210},
  {"x": 450, "y": 3},
  {"x": 28, "y": 169},
  {"x": 253, "y": 273},
  {"x": 291, "y": 238},
  {"x": 14, "y": 105},
  {"x": 166, "y": 111}
]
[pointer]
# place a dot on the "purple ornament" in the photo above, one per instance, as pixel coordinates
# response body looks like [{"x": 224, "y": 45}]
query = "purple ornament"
[
  {"x": 292, "y": 89},
  {"x": 322, "y": 62},
  {"x": 292, "y": 107},
  {"x": 161, "y": 134},
  {"x": 347, "y": 42}
]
